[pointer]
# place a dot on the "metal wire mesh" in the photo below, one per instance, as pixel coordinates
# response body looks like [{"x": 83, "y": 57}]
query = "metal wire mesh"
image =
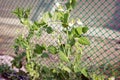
[{"x": 101, "y": 16}]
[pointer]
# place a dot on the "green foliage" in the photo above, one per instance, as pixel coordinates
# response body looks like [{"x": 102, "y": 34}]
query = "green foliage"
[
  {"x": 84, "y": 41},
  {"x": 52, "y": 49},
  {"x": 69, "y": 66},
  {"x": 46, "y": 16},
  {"x": 63, "y": 57},
  {"x": 4, "y": 68},
  {"x": 97, "y": 77},
  {"x": 79, "y": 30},
  {"x": 84, "y": 72},
  {"x": 84, "y": 29},
  {"x": 44, "y": 55},
  {"x": 23, "y": 15},
  {"x": 49, "y": 30},
  {"x": 18, "y": 60},
  {"x": 71, "y": 4},
  {"x": 39, "y": 49}
]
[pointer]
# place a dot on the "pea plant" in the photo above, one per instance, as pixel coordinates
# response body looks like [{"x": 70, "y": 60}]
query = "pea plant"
[{"x": 68, "y": 50}]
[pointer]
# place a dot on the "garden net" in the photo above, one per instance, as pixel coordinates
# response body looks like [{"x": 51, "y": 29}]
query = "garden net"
[{"x": 101, "y": 16}]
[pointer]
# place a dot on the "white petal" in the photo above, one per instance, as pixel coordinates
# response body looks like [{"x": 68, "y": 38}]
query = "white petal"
[
  {"x": 70, "y": 24},
  {"x": 61, "y": 9},
  {"x": 57, "y": 4},
  {"x": 79, "y": 22},
  {"x": 112, "y": 78}
]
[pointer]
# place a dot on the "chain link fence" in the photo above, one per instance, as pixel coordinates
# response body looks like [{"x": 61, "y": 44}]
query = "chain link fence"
[{"x": 101, "y": 16}]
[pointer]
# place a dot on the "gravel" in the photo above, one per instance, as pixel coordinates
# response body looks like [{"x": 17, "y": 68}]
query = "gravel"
[{"x": 6, "y": 59}]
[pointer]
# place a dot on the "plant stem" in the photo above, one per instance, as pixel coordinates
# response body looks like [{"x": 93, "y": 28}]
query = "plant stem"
[{"x": 27, "y": 54}]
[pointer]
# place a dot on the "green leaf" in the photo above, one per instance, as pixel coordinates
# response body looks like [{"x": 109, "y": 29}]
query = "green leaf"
[
  {"x": 66, "y": 69},
  {"x": 66, "y": 17},
  {"x": 72, "y": 33},
  {"x": 68, "y": 6},
  {"x": 38, "y": 33},
  {"x": 42, "y": 23},
  {"x": 62, "y": 47},
  {"x": 77, "y": 67},
  {"x": 72, "y": 42},
  {"x": 84, "y": 72},
  {"x": 79, "y": 30},
  {"x": 52, "y": 49},
  {"x": 84, "y": 41},
  {"x": 59, "y": 15},
  {"x": 30, "y": 35},
  {"x": 21, "y": 13},
  {"x": 18, "y": 12},
  {"x": 16, "y": 48},
  {"x": 73, "y": 3},
  {"x": 34, "y": 27},
  {"x": 97, "y": 77},
  {"x": 37, "y": 24},
  {"x": 46, "y": 16},
  {"x": 15, "y": 11},
  {"x": 19, "y": 57},
  {"x": 63, "y": 57},
  {"x": 26, "y": 13},
  {"x": 22, "y": 55},
  {"x": 85, "y": 29},
  {"x": 49, "y": 30},
  {"x": 44, "y": 55},
  {"x": 20, "y": 41},
  {"x": 25, "y": 21},
  {"x": 45, "y": 69},
  {"x": 39, "y": 49},
  {"x": 17, "y": 62}
]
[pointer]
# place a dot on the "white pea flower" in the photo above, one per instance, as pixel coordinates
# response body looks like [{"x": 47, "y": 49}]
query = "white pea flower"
[
  {"x": 112, "y": 78},
  {"x": 59, "y": 7},
  {"x": 71, "y": 23},
  {"x": 79, "y": 22},
  {"x": 57, "y": 4}
]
